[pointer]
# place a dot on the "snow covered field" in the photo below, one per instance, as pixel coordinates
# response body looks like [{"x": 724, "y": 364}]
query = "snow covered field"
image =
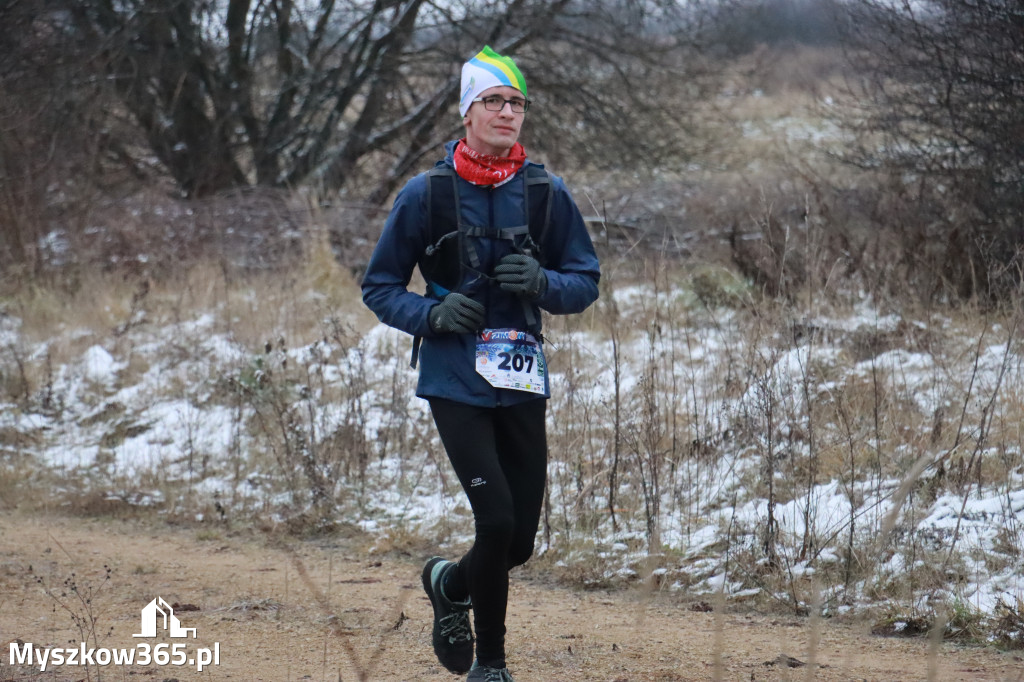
[{"x": 849, "y": 460}]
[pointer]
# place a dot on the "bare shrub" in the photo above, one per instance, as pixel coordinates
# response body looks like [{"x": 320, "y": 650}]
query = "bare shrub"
[
  {"x": 745, "y": 24},
  {"x": 939, "y": 106},
  {"x": 1009, "y": 625},
  {"x": 80, "y": 598}
]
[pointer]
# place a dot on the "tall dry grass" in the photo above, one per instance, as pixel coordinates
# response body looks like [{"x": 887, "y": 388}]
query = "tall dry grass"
[{"x": 701, "y": 433}]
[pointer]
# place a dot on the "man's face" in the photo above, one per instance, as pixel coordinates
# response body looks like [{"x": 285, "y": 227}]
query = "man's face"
[{"x": 493, "y": 132}]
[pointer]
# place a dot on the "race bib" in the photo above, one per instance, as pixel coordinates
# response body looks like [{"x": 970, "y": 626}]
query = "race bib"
[{"x": 510, "y": 358}]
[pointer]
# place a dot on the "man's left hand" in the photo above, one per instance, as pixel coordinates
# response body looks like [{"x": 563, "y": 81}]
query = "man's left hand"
[{"x": 521, "y": 274}]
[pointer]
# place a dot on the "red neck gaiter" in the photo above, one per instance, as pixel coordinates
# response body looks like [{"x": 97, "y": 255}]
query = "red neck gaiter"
[{"x": 484, "y": 169}]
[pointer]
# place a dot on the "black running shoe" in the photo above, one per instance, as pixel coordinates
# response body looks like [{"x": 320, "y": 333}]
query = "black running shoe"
[
  {"x": 452, "y": 636},
  {"x": 485, "y": 673}
]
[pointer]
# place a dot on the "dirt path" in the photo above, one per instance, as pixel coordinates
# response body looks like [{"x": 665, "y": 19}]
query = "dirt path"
[{"x": 325, "y": 611}]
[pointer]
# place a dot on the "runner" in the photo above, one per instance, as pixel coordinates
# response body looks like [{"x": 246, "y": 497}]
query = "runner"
[{"x": 497, "y": 239}]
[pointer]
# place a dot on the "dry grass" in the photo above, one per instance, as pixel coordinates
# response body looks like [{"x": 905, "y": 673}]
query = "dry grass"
[
  {"x": 71, "y": 313},
  {"x": 254, "y": 306},
  {"x": 688, "y": 416}
]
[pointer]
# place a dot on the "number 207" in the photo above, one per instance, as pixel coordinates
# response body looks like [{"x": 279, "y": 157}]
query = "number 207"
[{"x": 515, "y": 362}]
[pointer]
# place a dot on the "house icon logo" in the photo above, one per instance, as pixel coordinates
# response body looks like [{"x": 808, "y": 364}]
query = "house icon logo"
[{"x": 159, "y": 614}]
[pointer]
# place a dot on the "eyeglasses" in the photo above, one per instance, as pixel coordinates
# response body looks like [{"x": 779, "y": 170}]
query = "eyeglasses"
[{"x": 497, "y": 103}]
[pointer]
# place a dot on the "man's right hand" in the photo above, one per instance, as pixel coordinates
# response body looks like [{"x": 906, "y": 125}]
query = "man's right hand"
[{"x": 456, "y": 314}]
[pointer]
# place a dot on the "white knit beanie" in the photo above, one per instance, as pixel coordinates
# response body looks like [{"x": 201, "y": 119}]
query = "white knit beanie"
[{"x": 486, "y": 70}]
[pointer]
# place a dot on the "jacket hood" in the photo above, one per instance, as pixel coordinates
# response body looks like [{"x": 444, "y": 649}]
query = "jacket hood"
[{"x": 449, "y": 153}]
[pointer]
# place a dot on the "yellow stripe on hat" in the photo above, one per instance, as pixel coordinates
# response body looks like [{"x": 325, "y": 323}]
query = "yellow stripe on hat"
[{"x": 491, "y": 60}]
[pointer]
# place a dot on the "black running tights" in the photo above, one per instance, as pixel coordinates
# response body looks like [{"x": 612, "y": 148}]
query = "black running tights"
[{"x": 500, "y": 457}]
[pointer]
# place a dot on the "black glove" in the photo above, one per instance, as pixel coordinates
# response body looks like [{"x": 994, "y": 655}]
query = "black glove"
[
  {"x": 520, "y": 274},
  {"x": 456, "y": 314}
]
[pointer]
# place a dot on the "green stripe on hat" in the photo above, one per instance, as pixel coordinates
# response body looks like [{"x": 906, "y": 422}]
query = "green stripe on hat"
[{"x": 502, "y": 67}]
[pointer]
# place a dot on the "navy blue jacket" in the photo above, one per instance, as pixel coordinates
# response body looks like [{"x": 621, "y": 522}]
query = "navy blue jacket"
[{"x": 448, "y": 361}]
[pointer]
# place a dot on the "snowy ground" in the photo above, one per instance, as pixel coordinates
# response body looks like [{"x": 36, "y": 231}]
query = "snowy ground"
[{"x": 872, "y": 502}]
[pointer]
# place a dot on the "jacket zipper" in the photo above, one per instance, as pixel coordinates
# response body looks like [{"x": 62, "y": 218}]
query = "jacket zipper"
[{"x": 490, "y": 254}]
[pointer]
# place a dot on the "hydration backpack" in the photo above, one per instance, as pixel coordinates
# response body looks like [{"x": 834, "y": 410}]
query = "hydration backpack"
[{"x": 451, "y": 253}]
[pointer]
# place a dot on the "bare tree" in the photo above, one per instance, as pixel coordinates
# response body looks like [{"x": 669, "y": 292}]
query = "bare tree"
[
  {"x": 44, "y": 137},
  {"x": 944, "y": 114},
  {"x": 742, "y": 25},
  {"x": 282, "y": 93}
]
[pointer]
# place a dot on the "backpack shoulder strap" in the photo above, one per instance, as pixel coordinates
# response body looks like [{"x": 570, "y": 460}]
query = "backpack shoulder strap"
[
  {"x": 440, "y": 263},
  {"x": 442, "y": 196},
  {"x": 442, "y": 222},
  {"x": 538, "y": 197}
]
